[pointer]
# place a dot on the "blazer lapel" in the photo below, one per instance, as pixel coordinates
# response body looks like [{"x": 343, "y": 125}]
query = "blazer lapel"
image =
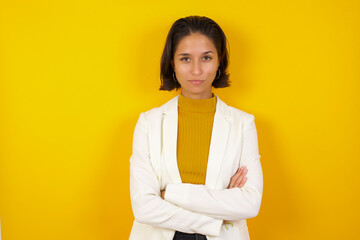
[
  {"x": 170, "y": 130},
  {"x": 218, "y": 143}
]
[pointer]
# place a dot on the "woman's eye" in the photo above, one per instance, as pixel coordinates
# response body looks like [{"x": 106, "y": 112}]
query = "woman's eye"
[
  {"x": 185, "y": 59},
  {"x": 207, "y": 58}
]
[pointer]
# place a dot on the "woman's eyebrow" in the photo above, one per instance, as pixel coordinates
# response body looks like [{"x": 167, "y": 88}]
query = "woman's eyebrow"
[
  {"x": 208, "y": 52},
  {"x": 187, "y": 54},
  {"x": 184, "y": 54}
]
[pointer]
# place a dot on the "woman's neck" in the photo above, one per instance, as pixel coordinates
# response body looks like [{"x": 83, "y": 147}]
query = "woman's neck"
[{"x": 198, "y": 96}]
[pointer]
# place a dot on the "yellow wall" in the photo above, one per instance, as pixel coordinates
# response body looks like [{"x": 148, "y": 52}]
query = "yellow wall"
[{"x": 75, "y": 75}]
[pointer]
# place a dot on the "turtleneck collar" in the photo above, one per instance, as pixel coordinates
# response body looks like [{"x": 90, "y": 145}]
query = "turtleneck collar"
[{"x": 197, "y": 105}]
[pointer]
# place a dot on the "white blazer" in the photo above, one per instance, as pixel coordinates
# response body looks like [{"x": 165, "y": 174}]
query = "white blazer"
[{"x": 194, "y": 208}]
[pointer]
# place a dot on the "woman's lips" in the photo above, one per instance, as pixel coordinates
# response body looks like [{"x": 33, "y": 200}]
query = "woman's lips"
[{"x": 196, "y": 82}]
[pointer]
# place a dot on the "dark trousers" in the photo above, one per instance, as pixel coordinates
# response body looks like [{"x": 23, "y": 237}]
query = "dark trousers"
[{"x": 188, "y": 236}]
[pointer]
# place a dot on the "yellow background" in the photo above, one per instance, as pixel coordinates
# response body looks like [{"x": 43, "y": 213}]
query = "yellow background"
[{"x": 75, "y": 76}]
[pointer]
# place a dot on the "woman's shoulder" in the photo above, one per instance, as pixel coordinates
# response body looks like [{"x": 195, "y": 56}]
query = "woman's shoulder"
[
  {"x": 236, "y": 112},
  {"x": 240, "y": 113},
  {"x": 158, "y": 111}
]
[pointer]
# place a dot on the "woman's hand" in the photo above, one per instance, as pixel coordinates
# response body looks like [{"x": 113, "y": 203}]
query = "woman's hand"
[{"x": 239, "y": 179}]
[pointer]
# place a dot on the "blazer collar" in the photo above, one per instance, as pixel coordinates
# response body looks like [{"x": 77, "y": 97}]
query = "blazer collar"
[{"x": 219, "y": 137}]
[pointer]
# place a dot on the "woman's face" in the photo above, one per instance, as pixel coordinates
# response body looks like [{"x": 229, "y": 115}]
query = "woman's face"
[{"x": 196, "y": 63}]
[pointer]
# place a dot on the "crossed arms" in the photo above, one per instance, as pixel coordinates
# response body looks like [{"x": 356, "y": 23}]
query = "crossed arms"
[{"x": 193, "y": 208}]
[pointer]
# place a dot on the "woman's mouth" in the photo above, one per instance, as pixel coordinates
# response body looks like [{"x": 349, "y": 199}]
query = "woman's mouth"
[{"x": 195, "y": 82}]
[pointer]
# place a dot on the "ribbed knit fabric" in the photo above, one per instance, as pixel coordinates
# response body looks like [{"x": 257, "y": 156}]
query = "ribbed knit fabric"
[{"x": 195, "y": 121}]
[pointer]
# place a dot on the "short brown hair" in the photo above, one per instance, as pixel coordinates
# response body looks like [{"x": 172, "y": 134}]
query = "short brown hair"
[{"x": 187, "y": 26}]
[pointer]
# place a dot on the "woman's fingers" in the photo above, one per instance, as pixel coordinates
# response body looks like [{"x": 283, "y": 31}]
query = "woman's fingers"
[
  {"x": 242, "y": 183},
  {"x": 234, "y": 178},
  {"x": 238, "y": 179}
]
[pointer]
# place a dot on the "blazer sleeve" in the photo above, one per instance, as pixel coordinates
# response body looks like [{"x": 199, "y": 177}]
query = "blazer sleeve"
[
  {"x": 226, "y": 204},
  {"x": 147, "y": 204}
]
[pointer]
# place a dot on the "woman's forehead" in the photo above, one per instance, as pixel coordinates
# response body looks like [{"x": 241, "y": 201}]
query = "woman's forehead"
[{"x": 195, "y": 44}]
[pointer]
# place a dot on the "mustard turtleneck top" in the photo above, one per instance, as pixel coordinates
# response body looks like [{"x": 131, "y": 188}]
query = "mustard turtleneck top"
[{"x": 195, "y": 121}]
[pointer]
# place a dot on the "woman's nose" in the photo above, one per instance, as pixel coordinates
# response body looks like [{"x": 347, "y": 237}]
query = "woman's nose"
[{"x": 196, "y": 68}]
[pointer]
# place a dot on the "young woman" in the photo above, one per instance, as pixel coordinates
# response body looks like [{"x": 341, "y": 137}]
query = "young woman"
[{"x": 195, "y": 170}]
